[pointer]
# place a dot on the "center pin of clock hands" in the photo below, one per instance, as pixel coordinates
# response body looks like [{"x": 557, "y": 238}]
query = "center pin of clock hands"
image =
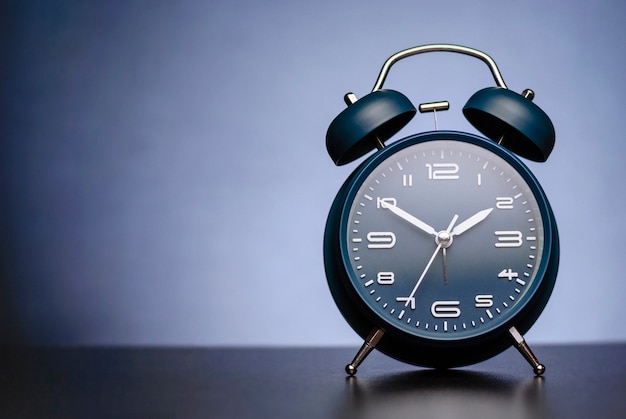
[{"x": 443, "y": 239}]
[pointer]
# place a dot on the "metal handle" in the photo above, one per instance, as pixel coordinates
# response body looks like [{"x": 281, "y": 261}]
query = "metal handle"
[{"x": 439, "y": 47}]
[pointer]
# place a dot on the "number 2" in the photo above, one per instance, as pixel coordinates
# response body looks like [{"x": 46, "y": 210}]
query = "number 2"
[{"x": 504, "y": 202}]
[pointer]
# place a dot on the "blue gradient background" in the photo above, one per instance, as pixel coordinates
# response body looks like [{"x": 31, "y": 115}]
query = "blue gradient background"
[{"x": 164, "y": 176}]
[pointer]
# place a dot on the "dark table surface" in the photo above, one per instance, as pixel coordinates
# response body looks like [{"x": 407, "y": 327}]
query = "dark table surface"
[{"x": 581, "y": 381}]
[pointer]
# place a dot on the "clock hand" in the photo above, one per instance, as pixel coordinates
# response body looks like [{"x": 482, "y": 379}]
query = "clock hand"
[
  {"x": 409, "y": 218},
  {"x": 411, "y": 298},
  {"x": 444, "y": 258},
  {"x": 471, "y": 222}
]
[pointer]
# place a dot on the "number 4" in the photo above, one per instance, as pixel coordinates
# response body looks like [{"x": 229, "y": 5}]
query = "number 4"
[{"x": 508, "y": 273}]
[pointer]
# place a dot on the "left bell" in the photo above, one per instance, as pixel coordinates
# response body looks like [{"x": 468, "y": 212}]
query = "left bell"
[{"x": 364, "y": 124}]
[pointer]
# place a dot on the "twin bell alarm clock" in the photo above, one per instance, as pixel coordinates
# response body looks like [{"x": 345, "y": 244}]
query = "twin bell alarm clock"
[{"x": 441, "y": 249}]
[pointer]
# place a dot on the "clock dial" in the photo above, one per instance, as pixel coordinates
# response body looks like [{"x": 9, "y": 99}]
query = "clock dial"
[{"x": 444, "y": 239}]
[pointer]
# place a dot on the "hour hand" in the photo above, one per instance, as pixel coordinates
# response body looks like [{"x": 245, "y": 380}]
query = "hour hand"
[
  {"x": 408, "y": 217},
  {"x": 471, "y": 222}
]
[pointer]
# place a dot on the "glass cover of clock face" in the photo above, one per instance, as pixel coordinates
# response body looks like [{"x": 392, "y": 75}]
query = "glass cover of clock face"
[{"x": 444, "y": 239}]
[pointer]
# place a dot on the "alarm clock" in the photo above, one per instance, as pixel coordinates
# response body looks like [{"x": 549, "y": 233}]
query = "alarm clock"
[{"x": 441, "y": 249}]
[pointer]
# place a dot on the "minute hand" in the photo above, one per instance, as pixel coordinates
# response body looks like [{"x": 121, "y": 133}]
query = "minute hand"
[
  {"x": 409, "y": 218},
  {"x": 471, "y": 222}
]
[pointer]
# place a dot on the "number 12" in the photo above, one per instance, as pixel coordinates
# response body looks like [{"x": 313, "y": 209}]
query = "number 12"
[{"x": 442, "y": 171}]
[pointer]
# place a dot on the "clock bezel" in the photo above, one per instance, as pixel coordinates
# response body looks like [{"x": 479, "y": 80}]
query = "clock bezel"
[{"x": 420, "y": 350}]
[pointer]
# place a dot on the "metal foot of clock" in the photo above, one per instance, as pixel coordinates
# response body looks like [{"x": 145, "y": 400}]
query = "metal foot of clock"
[
  {"x": 526, "y": 352},
  {"x": 375, "y": 335},
  {"x": 366, "y": 348}
]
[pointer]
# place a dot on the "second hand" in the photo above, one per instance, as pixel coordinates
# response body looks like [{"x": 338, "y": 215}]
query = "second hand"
[
  {"x": 444, "y": 253},
  {"x": 411, "y": 298}
]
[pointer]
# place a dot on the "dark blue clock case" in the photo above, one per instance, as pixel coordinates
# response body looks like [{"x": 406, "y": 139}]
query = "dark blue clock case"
[{"x": 414, "y": 349}]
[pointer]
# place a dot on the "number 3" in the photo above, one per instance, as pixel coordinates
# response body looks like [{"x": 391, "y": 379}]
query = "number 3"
[{"x": 509, "y": 238}]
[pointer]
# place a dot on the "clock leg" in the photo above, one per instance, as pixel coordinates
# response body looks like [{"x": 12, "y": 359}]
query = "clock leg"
[
  {"x": 369, "y": 344},
  {"x": 526, "y": 352}
]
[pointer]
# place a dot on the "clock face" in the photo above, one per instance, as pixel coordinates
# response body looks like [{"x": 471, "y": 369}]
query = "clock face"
[{"x": 444, "y": 239}]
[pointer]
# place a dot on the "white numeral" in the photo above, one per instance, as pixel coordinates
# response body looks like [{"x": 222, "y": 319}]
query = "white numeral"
[
  {"x": 407, "y": 180},
  {"x": 445, "y": 309},
  {"x": 509, "y": 238},
  {"x": 504, "y": 202},
  {"x": 406, "y": 301},
  {"x": 380, "y": 202},
  {"x": 484, "y": 301},
  {"x": 385, "y": 278},
  {"x": 442, "y": 171},
  {"x": 508, "y": 273},
  {"x": 381, "y": 240}
]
